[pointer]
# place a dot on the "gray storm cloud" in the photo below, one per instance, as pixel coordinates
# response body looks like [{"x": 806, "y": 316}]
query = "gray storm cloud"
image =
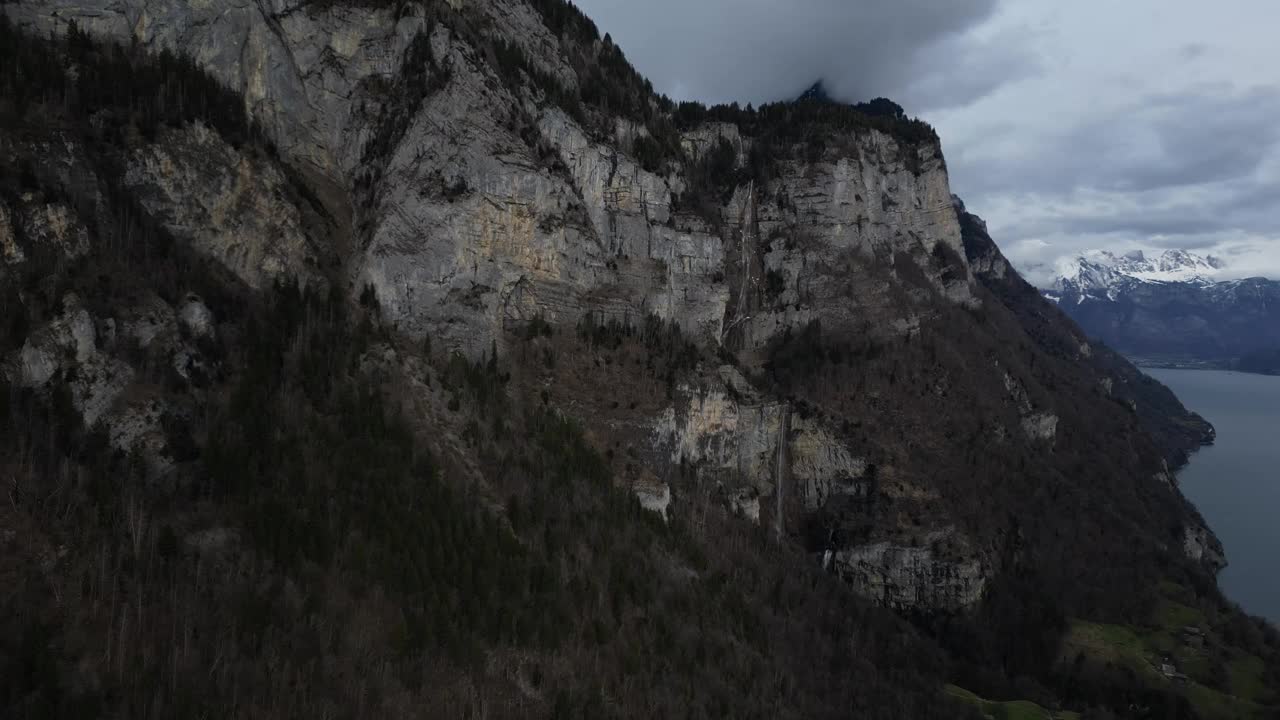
[{"x": 913, "y": 51}]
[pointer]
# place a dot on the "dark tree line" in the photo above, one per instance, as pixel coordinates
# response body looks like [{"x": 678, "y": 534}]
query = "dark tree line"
[{"x": 142, "y": 90}]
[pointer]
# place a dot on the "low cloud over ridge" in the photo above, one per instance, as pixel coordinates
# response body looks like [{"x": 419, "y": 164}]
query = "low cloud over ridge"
[{"x": 764, "y": 50}]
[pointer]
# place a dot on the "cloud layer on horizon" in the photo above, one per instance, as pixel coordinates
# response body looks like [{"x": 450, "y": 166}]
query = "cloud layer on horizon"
[{"x": 1198, "y": 171}]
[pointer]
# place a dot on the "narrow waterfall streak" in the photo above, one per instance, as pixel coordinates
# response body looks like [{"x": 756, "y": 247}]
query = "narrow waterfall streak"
[{"x": 779, "y": 474}]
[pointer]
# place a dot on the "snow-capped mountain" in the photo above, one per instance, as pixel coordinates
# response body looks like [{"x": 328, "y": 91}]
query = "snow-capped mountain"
[
  {"x": 1103, "y": 270},
  {"x": 1171, "y": 309}
]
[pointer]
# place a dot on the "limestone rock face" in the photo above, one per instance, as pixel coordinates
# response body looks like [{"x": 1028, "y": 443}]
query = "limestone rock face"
[
  {"x": 733, "y": 440},
  {"x": 677, "y": 269},
  {"x": 1036, "y": 425},
  {"x": 196, "y": 318},
  {"x": 986, "y": 259},
  {"x": 149, "y": 322},
  {"x": 66, "y": 343},
  {"x": 1202, "y": 546},
  {"x": 822, "y": 467},
  {"x": 697, "y": 143},
  {"x": 654, "y": 497},
  {"x": 521, "y": 25},
  {"x": 230, "y": 206},
  {"x": 94, "y": 356},
  {"x": 913, "y": 577},
  {"x": 755, "y": 448},
  {"x": 475, "y": 231},
  {"x": 51, "y": 226},
  {"x": 746, "y": 502},
  {"x": 1040, "y": 426},
  {"x": 472, "y": 229},
  {"x": 67, "y": 340},
  {"x": 10, "y": 252}
]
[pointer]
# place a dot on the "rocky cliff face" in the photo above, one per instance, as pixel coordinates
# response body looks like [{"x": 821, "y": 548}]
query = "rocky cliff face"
[
  {"x": 471, "y": 229},
  {"x": 96, "y": 358},
  {"x": 473, "y": 203},
  {"x": 235, "y": 208},
  {"x": 912, "y": 578}
]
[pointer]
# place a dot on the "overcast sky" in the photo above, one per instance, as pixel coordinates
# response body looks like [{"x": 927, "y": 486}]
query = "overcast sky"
[{"x": 1093, "y": 124}]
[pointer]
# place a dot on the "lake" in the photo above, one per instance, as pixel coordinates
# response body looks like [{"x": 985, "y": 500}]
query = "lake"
[{"x": 1236, "y": 482}]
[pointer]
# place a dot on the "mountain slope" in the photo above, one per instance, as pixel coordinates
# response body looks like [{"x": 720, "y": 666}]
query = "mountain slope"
[
  {"x": 1173, "y": 310},
  {"x": 473, "y": 286},
  {"x": 252, "y": 499},
  {"x": 1160, "y": 412}
]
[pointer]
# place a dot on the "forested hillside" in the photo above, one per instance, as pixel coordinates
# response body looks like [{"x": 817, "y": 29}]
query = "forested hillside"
[{"x": 310, "y": 549}]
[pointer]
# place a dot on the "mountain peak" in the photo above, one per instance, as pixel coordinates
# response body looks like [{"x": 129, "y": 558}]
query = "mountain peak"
[
  {"x": 817, "y": 92},
  {"x": 1103, "y": 270}
]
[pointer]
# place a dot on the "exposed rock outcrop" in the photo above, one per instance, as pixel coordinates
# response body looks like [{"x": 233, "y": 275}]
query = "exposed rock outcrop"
[
  {"x": 654, "y": 497},
  {"x": 731, "y": 441},
  {"x": 732, "y": 436},
  {"x": 697, "y": 143},
  {"x": 105, "y": 388},
  {"x": 1040, "y": 426},
  {"x": 928, "y": 576},
  {"x": 10, "y": 252},
  {"x": 66, "y": 340},
  {"x": 49, "y": 227},
  {"x": 823, "y": 467},
  {"x": 231, "y": 206},
  {"x": 1037, "y": 426},
  {"x": 1202, "y": 546},
  {"x": 66, "y": 344},
  {"x": 196, "y": 318}
]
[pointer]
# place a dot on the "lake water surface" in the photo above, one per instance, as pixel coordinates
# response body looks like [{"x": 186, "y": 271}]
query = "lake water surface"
[{"x": 1236, "y": 482}]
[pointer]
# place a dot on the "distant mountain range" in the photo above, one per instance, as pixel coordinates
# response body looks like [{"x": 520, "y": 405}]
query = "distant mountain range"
[{"x": 1173, "y": 310}]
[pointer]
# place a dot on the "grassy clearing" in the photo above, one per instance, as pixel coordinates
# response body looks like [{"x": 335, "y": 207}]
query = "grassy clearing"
[
  {"x": 1246, "y": 673},
  {"x": 1214, "y": 705},
  {"x": 1115, "y": 644},
  {"x": 1010, "y": 710},
  {"x": 1143, "y": 649}
]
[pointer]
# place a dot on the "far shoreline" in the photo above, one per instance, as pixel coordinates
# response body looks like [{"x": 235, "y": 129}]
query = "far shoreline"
[{"x": 1192, "y": 364}]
